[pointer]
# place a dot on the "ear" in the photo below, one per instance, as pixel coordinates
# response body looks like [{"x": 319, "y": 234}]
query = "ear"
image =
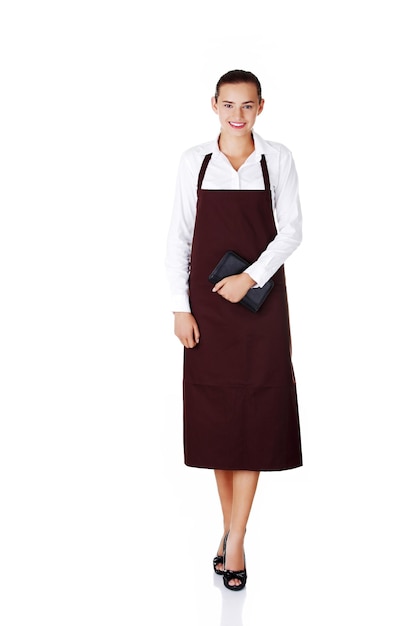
[
  {"x": 214, "y": 105},
  {"x": 261, "y": 107}
]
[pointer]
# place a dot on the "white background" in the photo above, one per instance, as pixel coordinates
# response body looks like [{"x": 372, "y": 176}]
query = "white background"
[{"x": 101, "y": 523}]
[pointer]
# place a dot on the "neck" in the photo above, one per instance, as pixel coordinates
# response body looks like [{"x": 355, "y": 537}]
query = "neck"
[{"x": 236, "y": 146}]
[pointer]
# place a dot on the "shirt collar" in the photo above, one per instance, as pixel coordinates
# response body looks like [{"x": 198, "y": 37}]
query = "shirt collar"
[{"x": 261, "y": 147}]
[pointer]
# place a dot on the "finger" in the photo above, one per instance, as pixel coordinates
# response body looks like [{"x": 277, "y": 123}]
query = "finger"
[
  {"x": 183, "y": 340},
  {"x": 219, "y": 285},
  {"x": 189, "y": 342}
]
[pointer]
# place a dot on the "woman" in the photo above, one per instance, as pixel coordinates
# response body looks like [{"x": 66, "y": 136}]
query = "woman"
[{"x": 237, "y": 193}]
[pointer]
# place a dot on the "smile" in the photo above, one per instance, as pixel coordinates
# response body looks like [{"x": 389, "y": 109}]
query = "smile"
[{"x": 237, "y": 124}]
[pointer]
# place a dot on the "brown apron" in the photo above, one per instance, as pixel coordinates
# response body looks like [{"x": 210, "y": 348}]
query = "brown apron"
[{"x": 240, "y": 400}]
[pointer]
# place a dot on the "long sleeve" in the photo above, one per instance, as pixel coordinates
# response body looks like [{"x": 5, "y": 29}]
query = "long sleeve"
[
  {"x": 288, "y": 219},
  {"x": 180, "y": 236}
]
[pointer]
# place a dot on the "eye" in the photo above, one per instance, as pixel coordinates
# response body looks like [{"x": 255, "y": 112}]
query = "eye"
[
  {"x": 248, "y": 106},
  {"x": 227, "y": 105}
]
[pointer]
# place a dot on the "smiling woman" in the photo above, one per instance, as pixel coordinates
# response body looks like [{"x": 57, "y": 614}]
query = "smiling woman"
[
  {"x": 237, "y": 107},
  {"x": 239, "y": 193}
]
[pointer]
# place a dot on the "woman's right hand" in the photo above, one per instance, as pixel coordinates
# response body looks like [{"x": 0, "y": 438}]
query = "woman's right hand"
[{"x": 186, "y": 329}]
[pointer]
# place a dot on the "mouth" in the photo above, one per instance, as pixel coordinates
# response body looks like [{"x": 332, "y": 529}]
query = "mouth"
[{"x": 237, "y": 125}]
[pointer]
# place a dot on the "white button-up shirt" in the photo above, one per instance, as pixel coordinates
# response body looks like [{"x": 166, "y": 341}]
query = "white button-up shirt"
[{"x": 221, "y": 175}]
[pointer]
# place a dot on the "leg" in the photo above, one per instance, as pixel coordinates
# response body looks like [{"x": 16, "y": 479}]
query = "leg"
[
  {"x": 236, "y": 490},
  {"x": 224, "y": 479},
  {"x": 244, "y": 488}
]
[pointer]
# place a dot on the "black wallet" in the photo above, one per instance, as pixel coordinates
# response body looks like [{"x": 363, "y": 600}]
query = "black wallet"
[{"x": 230, "y": 264}]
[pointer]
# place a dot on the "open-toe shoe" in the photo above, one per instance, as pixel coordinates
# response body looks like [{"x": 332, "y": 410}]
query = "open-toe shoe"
[{"x": 229, "y": 575}]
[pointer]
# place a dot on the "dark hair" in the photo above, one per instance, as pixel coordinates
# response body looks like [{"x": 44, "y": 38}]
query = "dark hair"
[{"x": 239, "y": 76}]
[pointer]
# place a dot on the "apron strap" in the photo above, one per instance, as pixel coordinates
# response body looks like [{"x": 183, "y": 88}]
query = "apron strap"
[
  {"x": 265, "y": 173},
  {"x": 203, "y": 170}
]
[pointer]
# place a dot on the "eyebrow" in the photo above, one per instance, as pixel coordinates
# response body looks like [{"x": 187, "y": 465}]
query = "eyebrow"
[{"x": 231, "y": 102}]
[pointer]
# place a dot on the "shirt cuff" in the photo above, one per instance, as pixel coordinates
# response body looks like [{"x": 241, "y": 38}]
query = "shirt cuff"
[
  {"x": 180, "y": 304},
  {"x": 257, "y": 274}
]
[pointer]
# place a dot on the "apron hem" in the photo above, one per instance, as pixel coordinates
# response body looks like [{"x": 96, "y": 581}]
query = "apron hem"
[{"x": 246, "y": 469}]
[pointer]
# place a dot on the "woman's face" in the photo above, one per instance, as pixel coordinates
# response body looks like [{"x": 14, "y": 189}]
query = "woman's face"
[{"x": 237, "y": 107}]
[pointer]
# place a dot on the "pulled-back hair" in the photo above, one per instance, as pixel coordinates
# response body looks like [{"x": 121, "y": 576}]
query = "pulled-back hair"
[{"x": 239, "y": 76}]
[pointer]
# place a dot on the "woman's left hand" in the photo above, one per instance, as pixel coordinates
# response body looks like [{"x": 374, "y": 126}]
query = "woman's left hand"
[{"x": 234, "y": 288}]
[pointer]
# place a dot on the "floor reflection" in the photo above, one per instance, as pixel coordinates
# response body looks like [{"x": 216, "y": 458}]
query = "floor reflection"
[{"x": 231, "y": 605}]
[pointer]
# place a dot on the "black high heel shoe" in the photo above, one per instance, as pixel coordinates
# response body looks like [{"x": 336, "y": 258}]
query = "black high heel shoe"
[
  {"x": 219, "y": 559},
  {"x": 229, "y": 574}
]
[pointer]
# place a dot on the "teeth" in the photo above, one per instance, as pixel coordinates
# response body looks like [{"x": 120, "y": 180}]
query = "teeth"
[{"x": 236, "y": 124}]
